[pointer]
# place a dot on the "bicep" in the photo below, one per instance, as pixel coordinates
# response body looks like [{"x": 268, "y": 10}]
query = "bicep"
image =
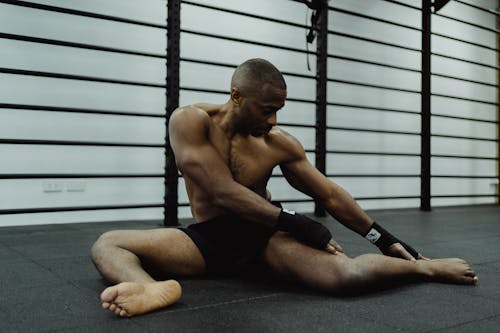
[
  {"x": 304, "y": 177},
  {"x": 195, "y": 155}
]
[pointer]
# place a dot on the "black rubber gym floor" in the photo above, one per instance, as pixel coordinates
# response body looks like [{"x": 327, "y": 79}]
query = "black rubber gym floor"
[{"x": 48, "y": 284}]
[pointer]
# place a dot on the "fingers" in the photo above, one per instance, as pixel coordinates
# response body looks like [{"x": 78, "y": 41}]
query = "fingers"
[
  {"x": 397, "y": 250},
  {"x": 330, "y": 249},
  {"x": 421, "y": 257},
  {"x": 333, "y": 247}
]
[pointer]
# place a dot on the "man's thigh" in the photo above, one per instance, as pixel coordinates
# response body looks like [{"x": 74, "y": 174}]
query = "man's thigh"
[
  {"x": 293, "y": 261},
  {"x": 166, "y": 250}
]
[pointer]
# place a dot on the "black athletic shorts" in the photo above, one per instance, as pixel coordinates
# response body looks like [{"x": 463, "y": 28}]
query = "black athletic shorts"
[{"x": 230, "y": 244}]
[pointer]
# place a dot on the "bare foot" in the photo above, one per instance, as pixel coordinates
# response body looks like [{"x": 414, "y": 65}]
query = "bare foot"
[
  {"x": 128, "y": 299},
  {"x": 452, "y": 270}
]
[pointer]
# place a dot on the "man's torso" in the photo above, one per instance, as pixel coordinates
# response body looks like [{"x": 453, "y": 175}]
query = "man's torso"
[{"x": 250, "y": 159}]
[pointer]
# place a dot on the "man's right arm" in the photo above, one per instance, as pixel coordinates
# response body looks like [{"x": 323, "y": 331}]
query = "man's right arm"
[{"x": 197, "y": 158}]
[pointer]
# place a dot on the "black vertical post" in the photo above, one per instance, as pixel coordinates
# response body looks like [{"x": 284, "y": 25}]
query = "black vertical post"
[
  {"x": 321, "y": 87},
  {"x": 173, "y": 60},
  {"x": 497, "y": 23},
  {"x": 425, "y": 157}
]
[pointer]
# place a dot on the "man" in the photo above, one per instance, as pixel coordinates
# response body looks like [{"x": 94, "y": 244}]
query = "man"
[{"x": 226, "y": 154}]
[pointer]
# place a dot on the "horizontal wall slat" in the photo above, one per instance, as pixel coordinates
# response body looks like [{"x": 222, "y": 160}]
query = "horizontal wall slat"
[
  {"x": 373, "y": 18},
  {"x": 78, "y": 77},
  {"x": 76, "y": 175},
  {"x": 80, "y": 13},
  {"x": 76, "y": 110},
  {"x": 72, "y": 209},
  {"x": 77, "y": 143},
  {"x": 259, "y": 17},
  {"x": 246, "y": 41},
  {"x": 79, "y": 45}
]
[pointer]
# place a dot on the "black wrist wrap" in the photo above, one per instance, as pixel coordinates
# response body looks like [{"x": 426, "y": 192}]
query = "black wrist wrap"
[
  {"x": 383, "y": 240},
  {"x": 304, "y": 229}
]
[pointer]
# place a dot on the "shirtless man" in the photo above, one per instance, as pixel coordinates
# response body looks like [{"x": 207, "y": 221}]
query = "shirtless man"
[{"x": 226, "y": 154}]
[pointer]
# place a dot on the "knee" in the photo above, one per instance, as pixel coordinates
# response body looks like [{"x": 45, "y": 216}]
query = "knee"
[
  {"x": 102, "y": 245},
  {"x": 344, "y": 277}
]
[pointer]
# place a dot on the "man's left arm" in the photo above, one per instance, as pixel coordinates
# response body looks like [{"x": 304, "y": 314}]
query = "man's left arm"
[{"x": 303, "y": 176}]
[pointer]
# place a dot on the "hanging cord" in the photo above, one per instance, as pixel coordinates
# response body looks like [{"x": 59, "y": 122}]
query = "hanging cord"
[
  {"x": 317, "y": 7},
  {"x": 307, "y": 42}
]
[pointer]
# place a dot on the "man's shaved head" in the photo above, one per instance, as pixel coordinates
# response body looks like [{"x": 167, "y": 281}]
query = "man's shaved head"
[{"x": 251, "y": 76}]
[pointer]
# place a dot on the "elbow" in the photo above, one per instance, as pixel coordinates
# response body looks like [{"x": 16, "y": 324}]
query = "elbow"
[
  {"x": 328, "y": 201},
  {"x": 221, "y": 196}
]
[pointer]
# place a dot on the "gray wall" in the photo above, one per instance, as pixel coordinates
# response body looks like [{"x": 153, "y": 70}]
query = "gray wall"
[{"x": 29, "y": 124}]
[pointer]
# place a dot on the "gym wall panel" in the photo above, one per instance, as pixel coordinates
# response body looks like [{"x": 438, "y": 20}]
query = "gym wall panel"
[
  {"x": 371, "y": 42},
  {"x": 24, "y": 89},
  {"x": 75, "y": 61},
  {"x": 339, "y": 164},
  {"x": 219, "y": 78},
  {"x": 281, "y": 9},
  {"x": 41, "y": 124},
  {"x": 475, "y": 160},
  {"x": 353, "y": 128},
  {"x": 460, "y": 127},
  {"x": 145, "y": 10},
  {"x": 376, "y": 187},
  {"x": 363, "y": 27},
  {"x": 463, "y": 89},
  {"x": 241, "y": 27},
  {"x": 449, "y": 166},
  {"x": 77, "y": 126},
  {"x": 218, "y": 50},
  {"x": 463, "y": 70},
  {"x": 372, "y": 97},
  {"x": 369, "y": 74},
  {"x": 463, "y": 147},
  {"x": 45, "y": 24},
  {"x": 372, "y": 119},
  {"x": 80, "y": 159},
  {"x": 127, "y": 191},
  {"x": 368, "y": 51},
  {"x": 383, "y": 10},
  {"x": 463, "y": 186},
  {"x": 373, "y": 142},
  {"x": 462, "y": 108},
  {"x": 297, "y": 113}
]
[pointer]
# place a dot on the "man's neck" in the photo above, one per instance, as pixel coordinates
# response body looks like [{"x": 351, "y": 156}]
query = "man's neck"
[{"x": 229, "y": 120}]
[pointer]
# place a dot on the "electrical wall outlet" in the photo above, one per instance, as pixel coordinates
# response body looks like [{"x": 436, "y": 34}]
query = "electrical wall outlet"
[
  {"x": 76, "y": 186},
  {"x": 52, "y": 186}
]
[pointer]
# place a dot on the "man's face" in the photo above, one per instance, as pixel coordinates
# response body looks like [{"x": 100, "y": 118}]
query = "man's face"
[{"x": 259, "y": 112}]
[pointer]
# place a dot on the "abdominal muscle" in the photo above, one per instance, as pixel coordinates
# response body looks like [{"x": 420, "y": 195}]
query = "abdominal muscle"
[{"x": 202, "y": 206}]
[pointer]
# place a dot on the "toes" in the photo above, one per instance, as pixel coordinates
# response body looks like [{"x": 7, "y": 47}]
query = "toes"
[
  {"x": 118, "y": 311},
  {"x": 112, "y": 307},
  {"x": 105, "y": 305},
  {"x": 124, "y": 313},
  {"x": 470, "y": 273},
  {"x": 470, "y": 279},
  {"x": 109, "y": 294}
]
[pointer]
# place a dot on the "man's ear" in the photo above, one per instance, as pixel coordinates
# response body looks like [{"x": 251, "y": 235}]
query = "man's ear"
[{"x": 235, "y": 95}]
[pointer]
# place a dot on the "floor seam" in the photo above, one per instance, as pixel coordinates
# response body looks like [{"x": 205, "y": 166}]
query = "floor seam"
[
  {"x": 240, "y": 300},
  {"x": 464, "y": 323}
]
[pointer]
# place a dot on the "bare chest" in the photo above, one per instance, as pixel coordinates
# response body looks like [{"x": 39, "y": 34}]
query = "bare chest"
[{"x": 250, "y": 160}]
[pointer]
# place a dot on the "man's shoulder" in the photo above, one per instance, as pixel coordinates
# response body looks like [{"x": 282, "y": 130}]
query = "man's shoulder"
[
  {"x": 286, "y": 142},
  {"x": 190, "y": 111}
]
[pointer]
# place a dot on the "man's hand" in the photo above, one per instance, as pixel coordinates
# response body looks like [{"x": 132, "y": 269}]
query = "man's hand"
[
  {"x": 333, "y": 247},
  {"x": 304, "y": 229},
  {"x": 397, "y": 250}
]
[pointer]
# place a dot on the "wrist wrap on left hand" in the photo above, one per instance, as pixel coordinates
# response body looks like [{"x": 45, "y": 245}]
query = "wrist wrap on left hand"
[{"x": 383, "y": 240}]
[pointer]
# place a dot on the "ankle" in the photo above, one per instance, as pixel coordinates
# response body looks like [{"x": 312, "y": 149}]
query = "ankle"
[{"x": 424, "y": 269}]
